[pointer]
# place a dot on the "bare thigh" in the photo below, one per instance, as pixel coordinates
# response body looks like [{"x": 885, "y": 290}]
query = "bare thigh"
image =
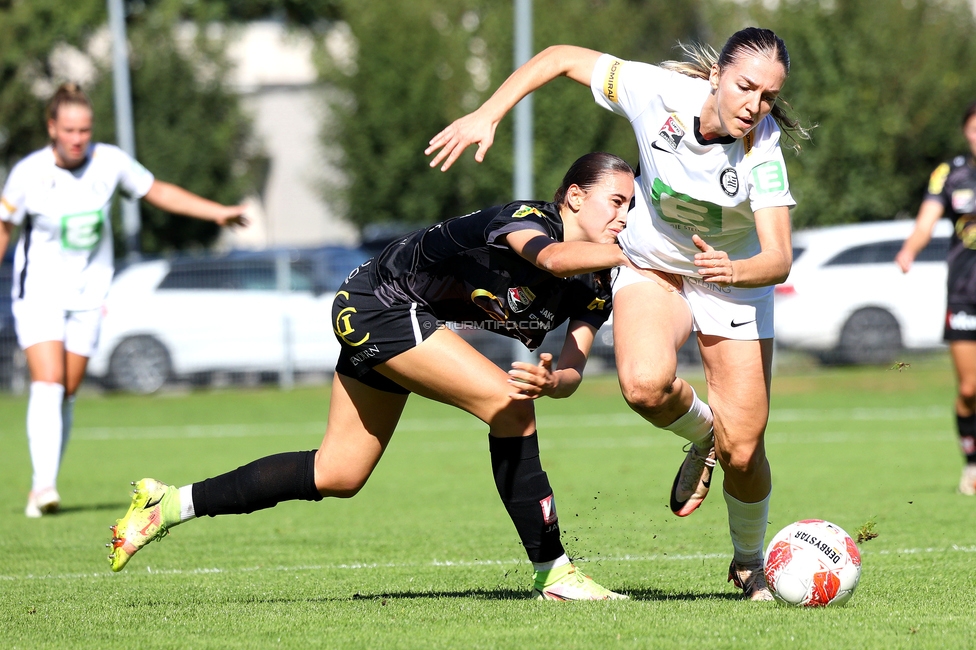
[
  {"x": 361, "y": 423},
  {"x": 738, "y": 375},
  {"x": 650, "y": 324},
  {"x": 447, "y": 369},
  {"x": 362, "y": 419}
]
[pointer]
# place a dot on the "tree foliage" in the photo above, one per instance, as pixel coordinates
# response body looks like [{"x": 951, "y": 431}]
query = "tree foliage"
[
  {"x": 189, "y": 127},
  {"x": 886, "y": 82},
  {"x": 421, "y": 64}
]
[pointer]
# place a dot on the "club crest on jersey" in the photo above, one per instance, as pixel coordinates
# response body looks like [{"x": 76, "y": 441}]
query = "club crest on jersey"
[
  {"x": 519, "y": 298},
  {"x": 548, "y": 509},
  {"x": 964, "y": 201},
  {"x": 729, "y": 181},
  {"x": 525, "y": 211},
  {"x": 672, "y": 132}
]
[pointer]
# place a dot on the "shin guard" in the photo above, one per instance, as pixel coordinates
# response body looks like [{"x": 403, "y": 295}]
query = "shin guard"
[
  {"x": 261, "y": 484},
  {"x": 524, "y": 489}
]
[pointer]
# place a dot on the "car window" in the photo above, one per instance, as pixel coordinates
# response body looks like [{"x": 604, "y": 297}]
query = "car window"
[
  {"x": 875, "y": 253},
  {"x": 301, "y": 276},
  {"x": 885, "y": 251},
  {"x": 234, "y": 275},
  {"x": 936, "y": 251},
  {"x": 257, "y": 275},
  {"x": 797, "y": 251}
]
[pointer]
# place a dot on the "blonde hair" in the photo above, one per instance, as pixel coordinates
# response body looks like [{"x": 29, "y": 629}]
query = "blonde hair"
[
  {"x": 699, "y": 60},
  {"x": 68, "y": 93}
]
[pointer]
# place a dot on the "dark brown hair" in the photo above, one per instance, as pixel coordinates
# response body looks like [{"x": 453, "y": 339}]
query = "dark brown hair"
[
  {"x": 588, "y": 170},
  {"x": 68, "y": 93}
]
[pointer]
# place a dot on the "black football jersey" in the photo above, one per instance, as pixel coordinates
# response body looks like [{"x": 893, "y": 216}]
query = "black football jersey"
[
  {"x": 461, "y": 270},
  {"x": 953, "y": 184}
]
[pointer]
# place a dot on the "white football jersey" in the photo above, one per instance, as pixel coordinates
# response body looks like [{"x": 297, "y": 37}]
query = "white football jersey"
[
  {"x": 64, "y": 256},
  {"x": 688, "y": 185}
]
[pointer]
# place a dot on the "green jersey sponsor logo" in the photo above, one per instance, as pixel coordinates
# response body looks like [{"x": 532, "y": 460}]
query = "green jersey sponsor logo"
[
  {"x": 683, "y": 211},
  {"x": 82, "y": 231},
  {"x": 769, "y": 177}
]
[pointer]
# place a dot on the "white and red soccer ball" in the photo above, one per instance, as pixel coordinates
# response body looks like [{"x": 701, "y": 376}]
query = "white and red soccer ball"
[{"x": 812, "y": 563}]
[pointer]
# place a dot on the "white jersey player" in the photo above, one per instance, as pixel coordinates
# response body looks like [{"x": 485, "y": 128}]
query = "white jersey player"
[
  {"x": 60, "y": 197},
  {"x": 707, "y": 239}
]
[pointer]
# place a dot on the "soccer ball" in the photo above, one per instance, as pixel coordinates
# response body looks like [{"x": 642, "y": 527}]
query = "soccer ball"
[{"x": 812, "y": 563}]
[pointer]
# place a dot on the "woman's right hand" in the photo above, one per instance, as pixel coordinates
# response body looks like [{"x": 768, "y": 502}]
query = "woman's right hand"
[{"x": 453, "y": 140}]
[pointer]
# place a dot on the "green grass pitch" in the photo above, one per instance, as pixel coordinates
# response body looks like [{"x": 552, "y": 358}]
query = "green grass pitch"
[{"x": 425, "y": 556}]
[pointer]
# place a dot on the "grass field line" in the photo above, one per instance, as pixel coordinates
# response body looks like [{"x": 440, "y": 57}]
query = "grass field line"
[
  {"x": 593, "y": 421},
  {"x": 355, "y": 566}
]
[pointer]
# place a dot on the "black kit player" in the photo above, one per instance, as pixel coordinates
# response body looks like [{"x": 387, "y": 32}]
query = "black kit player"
[
  {"x": 519, "y": 270},
  {"x": 952, "y": 192}
]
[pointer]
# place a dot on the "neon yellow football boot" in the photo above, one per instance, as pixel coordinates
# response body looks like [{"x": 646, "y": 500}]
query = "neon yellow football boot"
[
  {"x": 154, "y": 510},
  {"x": 566, "y": 582}
]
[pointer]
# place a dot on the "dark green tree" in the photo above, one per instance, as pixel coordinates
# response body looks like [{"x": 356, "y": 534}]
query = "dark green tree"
[
  {"x": 886, "y": 82},
  {"x": 422, "y": 64}
]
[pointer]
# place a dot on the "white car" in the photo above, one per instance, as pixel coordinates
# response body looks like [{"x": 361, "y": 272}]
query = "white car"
[
  {"x": 847, "y": 301},
  {"x": 184, "y": 318}
]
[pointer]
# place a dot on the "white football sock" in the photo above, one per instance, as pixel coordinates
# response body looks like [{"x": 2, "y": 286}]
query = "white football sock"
[
  {"x": 695, "y": 425},
  {"x": 67, "y": 419},
  {"x": 549, "y": 566},
  {"x": 747, "y": 525},
  {"x": 186, "y": 503},
  {"x": 44, "y": 432}
]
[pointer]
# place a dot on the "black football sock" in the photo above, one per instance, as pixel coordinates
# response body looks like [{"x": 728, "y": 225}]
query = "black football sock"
[
  {"x": 258, "y": 485},
  {"x": 524, "y": 489},
  {"x": 967, "y": 437}
]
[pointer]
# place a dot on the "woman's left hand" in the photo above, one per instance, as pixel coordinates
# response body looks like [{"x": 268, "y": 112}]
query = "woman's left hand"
[
  {"x": 232, "y": 215},
  {"x": 713, "y": 266},
  {"x": 532, "y": 381}
]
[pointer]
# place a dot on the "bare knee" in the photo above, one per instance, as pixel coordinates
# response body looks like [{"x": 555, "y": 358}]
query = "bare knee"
[
  {"x": 744, "y": 459},
  {"x": 967, "y": 395},
  {"x": 339, "y": 487},
  {"x": 512, "y": 418},
  {"x": 340, "y": 483},
  {"x": 650, "y": 396}
]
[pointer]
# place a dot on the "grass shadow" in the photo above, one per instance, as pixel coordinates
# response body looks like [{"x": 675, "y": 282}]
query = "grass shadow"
[{"x": 659, "y": 595}]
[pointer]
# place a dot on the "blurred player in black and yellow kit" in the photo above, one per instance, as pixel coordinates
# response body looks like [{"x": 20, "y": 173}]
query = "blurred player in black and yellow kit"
[
  {"x": 520, "y": 269},
  {"x": 952, "y": 192}
]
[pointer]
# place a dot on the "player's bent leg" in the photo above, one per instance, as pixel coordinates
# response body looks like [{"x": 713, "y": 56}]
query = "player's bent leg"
[
  {"x": 361, "y": 423},
  {"x": 265, "y": 482},
  {"x": 646, "y": 365},
  {"x": 447, "y": 369}
]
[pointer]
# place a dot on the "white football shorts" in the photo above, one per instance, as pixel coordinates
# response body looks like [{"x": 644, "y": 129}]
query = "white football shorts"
[
  {"x": 730, "y": 312},
  {"x": 36, "y": 323}
]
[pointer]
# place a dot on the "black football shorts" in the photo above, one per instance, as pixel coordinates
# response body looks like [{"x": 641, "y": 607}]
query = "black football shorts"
[
  {"x": 370, "y": 332},
  {"x": 960, "y": 322}
]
